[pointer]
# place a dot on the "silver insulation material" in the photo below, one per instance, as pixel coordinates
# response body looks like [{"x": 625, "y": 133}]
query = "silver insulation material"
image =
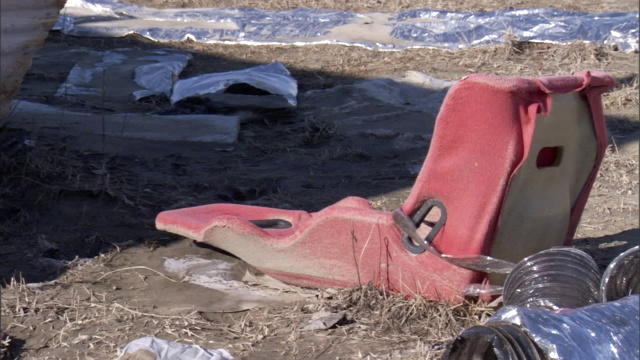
[
  {"x": 419, "y": 28},
  {"x": 559, "y": 277},
  {"x": 451, "y": 30},
  {"x": 621, "y": 278},
  {"x": 601, "y": 331}
]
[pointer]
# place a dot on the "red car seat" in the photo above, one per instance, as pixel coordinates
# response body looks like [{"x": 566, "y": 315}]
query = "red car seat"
[{"x": 508, "y": 174}]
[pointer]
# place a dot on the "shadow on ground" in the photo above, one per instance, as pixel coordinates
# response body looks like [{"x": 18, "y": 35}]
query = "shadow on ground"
[
  {"x": 605, "y": 248},
  {"x": 66, "y": 196},
  {"x": 71, "y": 197}
]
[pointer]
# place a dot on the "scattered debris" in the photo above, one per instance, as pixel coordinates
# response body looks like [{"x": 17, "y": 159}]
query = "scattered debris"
[
  {"x": 5, "y": 343},
  {"x": 265, "y": 86},
  {"x": 551, "y": 311},
  {"x": 123, "y": 74},
  {"x": 402, "y": 108},
  {"x": 585, "y": 333},
  {"x": 159, "y": 77},
  {"x": 323, "y": 320},
  {"x": 221, "y": 130},
  {"x": 243, "y": 287}
]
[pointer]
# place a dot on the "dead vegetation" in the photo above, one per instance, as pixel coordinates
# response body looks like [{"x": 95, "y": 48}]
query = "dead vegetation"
[
  {"x": 79, "y": 315},
  {"x": 32, "y": 173},
  {"x": 613, "y": 199},
  {"x": 430, "y": 321},
  {"x": 348, "y": 64},
  {"x": 74, "y": 313},
  {"x": 85, "y": 319},
  {"x": 5, "y": 343},
  {"x": 309, "y": 132},
  {"x": 620, "y": 169},
  {"x": 624, "y": 96}
]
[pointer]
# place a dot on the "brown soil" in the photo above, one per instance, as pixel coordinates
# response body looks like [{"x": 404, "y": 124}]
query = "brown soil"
[{"x": 77, "y": 213}]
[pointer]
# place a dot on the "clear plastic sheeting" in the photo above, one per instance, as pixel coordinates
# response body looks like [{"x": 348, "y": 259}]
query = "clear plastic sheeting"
[
  {"x": 497, "y": 340},
  {"x": 543, "y": 317},
  {"x": 621, "y": 278},
  {"x": 601, "y": 331},
  {"x": 123, "y": 73},
  {"x": 81, "y": 75},
  {"x": 391, "y": 31},
  {"x": 158, "y": 77},
  {"x": 560, "y": 277},
  {"x": 483, "y": 290},
  {"x": 159, "y": 349},
  {"x": 264, "y": 86}
]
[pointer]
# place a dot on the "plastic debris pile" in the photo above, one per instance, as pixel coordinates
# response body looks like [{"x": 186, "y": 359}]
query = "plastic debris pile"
[{"x": 552, "y": 311}]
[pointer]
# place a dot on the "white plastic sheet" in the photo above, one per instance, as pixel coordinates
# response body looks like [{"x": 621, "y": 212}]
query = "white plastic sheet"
[
  {"x": 392, "y": 31},
  {"x": 140, "y": 73},
  {"x": 158, "y": 77},
  {"x": 171, "y": 350},
  {"x": 274, "y": 79}
]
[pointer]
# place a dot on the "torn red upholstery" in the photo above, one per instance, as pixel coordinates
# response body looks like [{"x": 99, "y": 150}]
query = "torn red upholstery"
[{"x": 482, "y": 135}]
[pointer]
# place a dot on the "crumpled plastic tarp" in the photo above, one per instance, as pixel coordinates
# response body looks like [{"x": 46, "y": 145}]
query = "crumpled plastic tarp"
[
  {"x": 155, "y": 72},
  {"x": 278, "y": 89},
  {"x": 171, "y": 350},
  {"x": 158, "y": 77},
  {"x": 393, "y": 31},
  {"x": 143, "y": 73},
  {"x": 601, "y": 331}
]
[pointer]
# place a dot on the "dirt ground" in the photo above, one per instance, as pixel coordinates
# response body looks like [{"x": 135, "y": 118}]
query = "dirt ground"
[{"x": 79, "y": 253}]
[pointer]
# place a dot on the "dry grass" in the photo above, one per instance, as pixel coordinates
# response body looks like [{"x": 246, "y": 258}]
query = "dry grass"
[
  {"x": 317, "y": 131},
  {"x": 342, "y": 64},
  {"x": 618, "y": 173},
  {"x": 346, "y": 64},
  {"x": 614, "y": 197},
  {"x": 624, "y": 96},
  {"x": 76, "y": 316},
  {"x": 5, "y": 343},
  {"x": 430, "y": 321},
  {"x": 30, "y": 175},
  {"x": 309, "y": 132},
  {"x": 28, "y": 170},
  {"x": 84, "y": 319},
  {"x": 352, "y": 154}
]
